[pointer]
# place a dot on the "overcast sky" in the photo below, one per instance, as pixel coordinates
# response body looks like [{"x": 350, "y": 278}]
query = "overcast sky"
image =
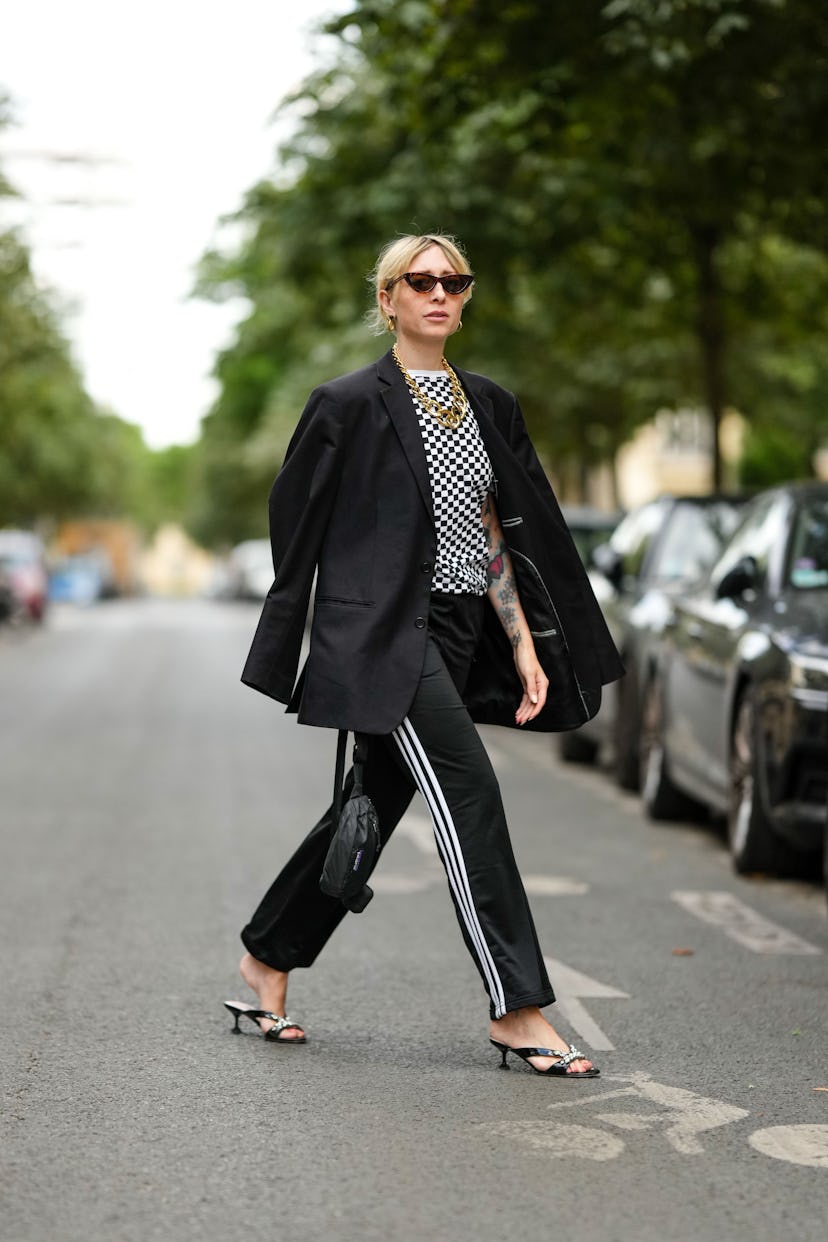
[{"x": 174, "y": 102}]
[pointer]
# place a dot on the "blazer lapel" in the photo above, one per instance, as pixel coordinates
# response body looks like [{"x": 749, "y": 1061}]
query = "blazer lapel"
[{"x": 403, "y": 418}]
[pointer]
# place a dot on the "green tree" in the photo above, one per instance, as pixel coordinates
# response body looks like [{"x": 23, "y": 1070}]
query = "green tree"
[
  {"x": 611, "y": 168},
  {"x": 661, "y": 130},
  {"x": 60, "y": 456}
]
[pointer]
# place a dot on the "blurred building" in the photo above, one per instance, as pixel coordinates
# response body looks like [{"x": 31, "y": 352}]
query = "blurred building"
[
  {"x": 672, "y": 454},
  {"x": 821, "y": 463},
  {"x": 114, "y": 545},
  {"x": 174, "y": 565}
]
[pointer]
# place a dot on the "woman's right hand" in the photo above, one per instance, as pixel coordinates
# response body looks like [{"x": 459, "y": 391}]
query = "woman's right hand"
[{"x": 533, "y": 679}]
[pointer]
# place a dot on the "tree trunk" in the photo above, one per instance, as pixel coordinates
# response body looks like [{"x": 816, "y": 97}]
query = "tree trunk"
[{"x": 711, "y": 336}]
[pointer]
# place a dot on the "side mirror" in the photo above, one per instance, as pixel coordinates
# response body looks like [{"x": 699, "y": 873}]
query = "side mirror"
[
  {"x": 609, "y": 563},
  {"x": 743, "y": 576}
]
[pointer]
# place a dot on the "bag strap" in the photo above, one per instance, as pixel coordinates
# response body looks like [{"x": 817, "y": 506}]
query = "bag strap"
[
  {"x": 360, "y": 757},
  {"x": 339, "y": 776}
]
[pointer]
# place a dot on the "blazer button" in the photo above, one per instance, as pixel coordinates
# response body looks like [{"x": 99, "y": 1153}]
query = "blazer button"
[
  {"x": 426, "y": 567},
  {"x": 420, "y": 623}
]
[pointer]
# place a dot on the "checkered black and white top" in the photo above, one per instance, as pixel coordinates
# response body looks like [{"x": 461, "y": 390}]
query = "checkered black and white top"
[{"x": 460, "y": 474}]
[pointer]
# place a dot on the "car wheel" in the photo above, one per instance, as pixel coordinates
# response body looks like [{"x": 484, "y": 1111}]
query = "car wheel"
[
  {"x": 662, "y": 799},
  {"x": 754, "y": 846},
  {"x": 573, "y": 747}
]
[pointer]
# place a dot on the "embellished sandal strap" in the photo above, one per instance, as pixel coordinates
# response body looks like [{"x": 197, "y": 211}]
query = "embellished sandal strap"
[
  {"x": 281, "y": 1023},
  {"x": 566, "y": 1058}
]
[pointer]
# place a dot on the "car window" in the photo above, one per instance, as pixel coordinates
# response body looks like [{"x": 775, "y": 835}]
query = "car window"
[
  {"x": 691, "y": 542},
  {"x": 809, "y": 546},
  {"x": 761, "y": 535},
  {"x": 634, "y": 534}
]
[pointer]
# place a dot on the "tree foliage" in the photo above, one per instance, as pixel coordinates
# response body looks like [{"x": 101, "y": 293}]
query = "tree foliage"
[
  {"x": 626, "y": 175},
  {"x": 60, "y": 455}
]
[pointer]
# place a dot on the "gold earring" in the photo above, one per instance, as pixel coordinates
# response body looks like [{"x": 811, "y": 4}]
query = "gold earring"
[
  {"x": 390, "y": 323},
  {"x": 460, "y": 326}
]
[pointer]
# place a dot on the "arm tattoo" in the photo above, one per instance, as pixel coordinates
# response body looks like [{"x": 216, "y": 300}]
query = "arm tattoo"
[
  {"x": 500, "y": 575},
  {"x": 505, "y": 597}
]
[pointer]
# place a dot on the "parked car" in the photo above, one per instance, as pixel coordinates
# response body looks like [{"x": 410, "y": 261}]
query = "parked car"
[
  {"x": 736, "y": 713},
  {"x": 657, "y": 551},
  {"x": 23, "y": 565},
  {"x": 589, "y": 527},
  {"x": 83, "y": 579},
  {"x": 250, "y": 570}
]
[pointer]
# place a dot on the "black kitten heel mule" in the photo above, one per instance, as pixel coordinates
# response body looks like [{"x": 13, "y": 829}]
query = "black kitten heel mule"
[
  {"x": 273, "y": 1033},
  {"x": 561, "y": 1067}
]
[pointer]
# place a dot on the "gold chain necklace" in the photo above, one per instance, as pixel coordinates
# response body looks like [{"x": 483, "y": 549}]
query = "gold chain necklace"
[{"x": 449, "y": 416}]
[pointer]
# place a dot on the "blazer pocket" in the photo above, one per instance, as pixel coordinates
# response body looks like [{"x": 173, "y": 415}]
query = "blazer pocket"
[{"x": 339, "y": 601}]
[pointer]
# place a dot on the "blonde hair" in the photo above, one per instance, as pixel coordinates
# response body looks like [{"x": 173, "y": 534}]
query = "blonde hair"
[{"x": 397, "y": 257}]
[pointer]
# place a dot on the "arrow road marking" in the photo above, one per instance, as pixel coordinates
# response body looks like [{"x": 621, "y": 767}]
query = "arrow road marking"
[
  {"x": 420, "y": 833},
  {"x": 570, "y": 985},
  {"x": 744, "y": 925}
]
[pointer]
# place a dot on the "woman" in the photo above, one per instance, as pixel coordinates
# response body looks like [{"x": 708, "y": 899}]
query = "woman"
[{"x": 448, "y": 591}]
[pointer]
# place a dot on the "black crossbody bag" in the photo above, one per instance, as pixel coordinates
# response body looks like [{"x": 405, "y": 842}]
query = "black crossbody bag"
[{"x": 355, "y": 839}]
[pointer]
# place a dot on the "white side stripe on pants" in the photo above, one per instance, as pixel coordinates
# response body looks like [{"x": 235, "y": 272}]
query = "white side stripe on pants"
[{"x": 449, "y": 846}]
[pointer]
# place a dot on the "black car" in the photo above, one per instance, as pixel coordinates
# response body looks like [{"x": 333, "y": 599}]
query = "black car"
[
  {"x": 736, "y": 714},
  {"x": 657, "y": 551}
]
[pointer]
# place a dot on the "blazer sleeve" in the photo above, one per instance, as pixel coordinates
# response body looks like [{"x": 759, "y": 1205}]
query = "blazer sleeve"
[{"x": 299, "y": 507}]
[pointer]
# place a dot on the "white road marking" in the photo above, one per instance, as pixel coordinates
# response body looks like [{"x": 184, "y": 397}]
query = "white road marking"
[
  {"x": 806, "y": 1145},
  {"x": 684, "y": 1114},
  {"x": 688, "y": 1113},
  {"x": 744, "y": 925},
  {"x": 680, "y": 1115},
  {"x": 570, "y": 985},
  {"x": 420, "y": 832},
  {"x": 554, "y": 886}
]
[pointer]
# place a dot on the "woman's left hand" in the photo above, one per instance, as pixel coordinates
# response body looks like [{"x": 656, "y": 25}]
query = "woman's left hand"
[{"x": 534, "y": 681}]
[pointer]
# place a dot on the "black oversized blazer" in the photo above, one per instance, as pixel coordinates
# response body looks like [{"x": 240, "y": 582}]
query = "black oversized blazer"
[{"x": 353, "y": 500}]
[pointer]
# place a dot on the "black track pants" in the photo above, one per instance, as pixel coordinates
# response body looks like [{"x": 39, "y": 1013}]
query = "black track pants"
[{"x": 436, "y": 749}]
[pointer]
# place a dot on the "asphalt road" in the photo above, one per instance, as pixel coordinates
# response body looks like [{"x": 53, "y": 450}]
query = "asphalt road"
[{"x": 147, "y": 799}]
